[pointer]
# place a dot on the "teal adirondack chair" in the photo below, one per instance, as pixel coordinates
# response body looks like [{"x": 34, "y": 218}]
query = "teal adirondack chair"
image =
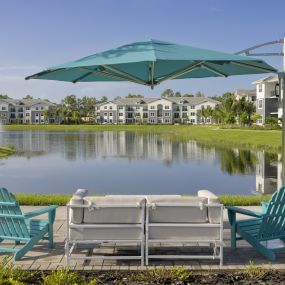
[
  {"x": 269, "y": 224},
  {"x": 19, "y": 227}
]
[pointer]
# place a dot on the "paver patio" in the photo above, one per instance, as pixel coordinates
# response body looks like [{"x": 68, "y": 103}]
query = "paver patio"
[{"x": 41, "y": 257}]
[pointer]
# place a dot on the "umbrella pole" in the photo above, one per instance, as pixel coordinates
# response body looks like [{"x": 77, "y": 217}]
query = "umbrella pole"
[{"x": 281, "y": 77}]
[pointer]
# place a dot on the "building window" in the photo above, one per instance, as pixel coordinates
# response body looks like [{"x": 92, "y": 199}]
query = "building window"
[
  {"x": 105, "y": 114},
  {"x": 138, "y": 114},
  {"x": 167, "y": 114},
  {"x": 37, "y": 114},
  {"x": 105, "y": 107},
  {"x": 121, "y": 107},
  {"x": 137, "y": 107},
  {"x": 37, "y": 108},
  {"x": 3, "y": 108},
  {"x": 152, "y": 114},
  {"x": 110, "y": 107},
  {"x": 259, "y": 121},
  {"x": 167, "y": 121},
  {"x": 260, "y": 104},
  {"x": 166, "y": 107},
  {"x": 151, "y": 120},
  {"x": 259, "y": 87},
  {"x": 184, "y": 108},
  {"x": 192, "y": 107},
  {"x": 176, "y": 115},
  {"x": 121, "y": 114},
  {"x": 111, "y": 114},
  {"x": 111, "y": 121},
  {"x": 145, "y": 115},
  {"x": 42, "y": 108},
  {"x": 192, "y": 121},
  {"x": 192, "y": 114},
  {"x": 152, "y": 107},
  {"x": 27, "y": 114},
  {"x": 27, "y": 108}
]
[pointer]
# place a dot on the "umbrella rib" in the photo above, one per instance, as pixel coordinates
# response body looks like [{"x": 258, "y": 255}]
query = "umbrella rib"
[
  {"x": 127, "y": 75},
  {"x": 43, "y": 72},
  {"x": 252, "y": 66},
  {"x": 214, "y": 70},
  {"x": 181, "y": 72},
  {"x": 81, "y": 77},
  {"x": 108, "y": 74}
]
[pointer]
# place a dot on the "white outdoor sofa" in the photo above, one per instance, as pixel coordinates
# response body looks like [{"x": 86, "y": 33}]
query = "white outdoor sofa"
[
  {"x": 95, "y": 220},
  {"x": 146, "y": 221},
  {"x": 185, "y": 219}
]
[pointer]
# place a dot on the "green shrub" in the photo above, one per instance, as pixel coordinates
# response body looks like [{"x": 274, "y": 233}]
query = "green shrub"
[
  {"x": 11, "y": 275},
  {"x": 254, "y": 271},
  {"x": 62, "y": 277}
]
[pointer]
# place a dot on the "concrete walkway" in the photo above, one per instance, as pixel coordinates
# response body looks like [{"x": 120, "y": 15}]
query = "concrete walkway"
[{"x": 41, "y": 257}]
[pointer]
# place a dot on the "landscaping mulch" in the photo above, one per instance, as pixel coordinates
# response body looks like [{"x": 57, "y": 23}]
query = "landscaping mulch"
[{"x": 167, "y": 277}]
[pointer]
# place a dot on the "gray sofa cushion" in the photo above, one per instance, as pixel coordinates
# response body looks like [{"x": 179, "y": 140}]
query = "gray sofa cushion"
[
  {"x": 214, "y": 213},
  {"x": 115, "y": 214},
  {"x": 178, "y": 210}
]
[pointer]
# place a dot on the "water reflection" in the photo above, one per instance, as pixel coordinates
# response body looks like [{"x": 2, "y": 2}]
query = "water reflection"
[{"x": 213, "y": 166}]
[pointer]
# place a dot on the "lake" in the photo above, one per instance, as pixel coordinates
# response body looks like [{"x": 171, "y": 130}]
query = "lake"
[{"x": 130, "y": 163}]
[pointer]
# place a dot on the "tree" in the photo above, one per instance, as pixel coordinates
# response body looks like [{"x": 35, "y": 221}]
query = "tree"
[
  {"x": 2, "y": 96},
  {"x": 87, "y": 107},
  {"x": 167, "y": 93},
  {"x": 117, "y": 98},
  {"x": 46, "y": 114},
  {"x": 28, "y": 97},
  {"x": 199, "y": 94},
  {"x": 103, "y": 99},
  {"x": 177, "y": 94},
  {"x": 188, "y": 95},
  {"x": 134, "y": 96}
]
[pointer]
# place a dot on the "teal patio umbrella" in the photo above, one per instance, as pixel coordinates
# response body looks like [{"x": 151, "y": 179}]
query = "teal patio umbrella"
[{"x": 152, "y": 62}]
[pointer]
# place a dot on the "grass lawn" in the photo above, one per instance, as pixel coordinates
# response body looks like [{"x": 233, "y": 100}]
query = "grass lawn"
[
  {"x": 268, "y": 140},
  {"x": 62, "y": 200}
]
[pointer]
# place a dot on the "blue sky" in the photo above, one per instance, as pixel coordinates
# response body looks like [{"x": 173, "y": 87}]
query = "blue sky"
[{"x": 38, "y": 34}]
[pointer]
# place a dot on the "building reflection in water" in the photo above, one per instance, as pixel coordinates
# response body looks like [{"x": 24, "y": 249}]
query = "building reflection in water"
[
  {"x": 132, "y": 146},
  {"x": 268, "y": 172}
]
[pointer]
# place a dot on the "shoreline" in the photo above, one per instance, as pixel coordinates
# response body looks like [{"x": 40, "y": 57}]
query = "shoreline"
[{"x": 209, "y": 136}]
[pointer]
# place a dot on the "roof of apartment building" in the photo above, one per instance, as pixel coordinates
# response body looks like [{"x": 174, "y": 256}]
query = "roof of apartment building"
[
  {"x": 192, "y": 100},
  {"x": 245, "y": 92},
  {"x": 272, "y": 78},
  {"x": 176, "y": 100},
  {"x": 28, "y": 102}
]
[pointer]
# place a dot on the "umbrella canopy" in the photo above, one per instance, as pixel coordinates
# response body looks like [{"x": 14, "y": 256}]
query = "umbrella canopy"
[{"x": 151, "y": 62}]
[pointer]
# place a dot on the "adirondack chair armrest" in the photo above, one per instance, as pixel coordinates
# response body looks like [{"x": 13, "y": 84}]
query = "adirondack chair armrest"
[
  {"x": 244, "y": 211},
  {"x": 39, "y": 212}
]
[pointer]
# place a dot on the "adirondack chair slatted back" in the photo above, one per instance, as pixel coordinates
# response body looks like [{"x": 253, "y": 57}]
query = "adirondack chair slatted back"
[
  {"x": 12, "y": 221},
  {"x": 273, "y": 223}
]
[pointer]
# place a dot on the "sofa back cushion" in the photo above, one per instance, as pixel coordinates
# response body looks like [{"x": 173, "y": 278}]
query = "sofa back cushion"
[
  {"x": 214, "y": 212},
  {"x": 177, "y": 209},
  {"x": 119, "y": 210},
  {"x": 76, "y": 214}
]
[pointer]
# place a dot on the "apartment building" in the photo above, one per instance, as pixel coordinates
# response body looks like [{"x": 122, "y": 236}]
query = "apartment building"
[
  {"x": 248, "y": 94},
  {"x": 27, "y": 111},
  {"x": 154, "y": 110},
  {"x": 268, "y": 102}
]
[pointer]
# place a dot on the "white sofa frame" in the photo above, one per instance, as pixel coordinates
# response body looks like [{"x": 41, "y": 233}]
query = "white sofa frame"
[
  {"x": 218, "y": 243},
  {"x": 71, "y": 244}
]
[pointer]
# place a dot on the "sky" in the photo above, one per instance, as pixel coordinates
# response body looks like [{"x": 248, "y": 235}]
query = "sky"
[{"x": 36, "y": 34}]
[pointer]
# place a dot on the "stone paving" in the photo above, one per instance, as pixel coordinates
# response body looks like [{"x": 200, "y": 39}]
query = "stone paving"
[{"x": 41, "y": 257}]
